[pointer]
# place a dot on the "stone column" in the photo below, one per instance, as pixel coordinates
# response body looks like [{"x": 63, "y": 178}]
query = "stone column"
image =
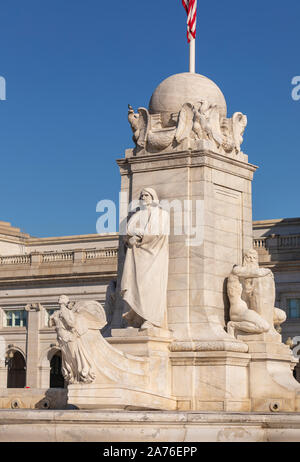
[
  {"x": 198, "y": 269},
  {"x": 33, "y": 318},
  {"x": 3, "y": 348},
  {"x": 3, "y": 374},
  {"x": 211, "y": 362}
]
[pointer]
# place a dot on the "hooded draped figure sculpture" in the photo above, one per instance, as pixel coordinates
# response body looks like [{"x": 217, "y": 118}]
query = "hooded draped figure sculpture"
[{"x": 145, "y": 274}]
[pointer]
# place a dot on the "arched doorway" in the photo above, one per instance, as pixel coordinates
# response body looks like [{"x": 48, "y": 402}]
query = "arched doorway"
[
  {"x": 56, "y": 377},
  {"x": 296, "y": 372},
  {"x": 16, "y": 374}
]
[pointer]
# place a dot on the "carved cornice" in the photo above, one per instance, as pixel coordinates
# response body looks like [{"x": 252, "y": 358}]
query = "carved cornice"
[{"x": 182, "y": 159}]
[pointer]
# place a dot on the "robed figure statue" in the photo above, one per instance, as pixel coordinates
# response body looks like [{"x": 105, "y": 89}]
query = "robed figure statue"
[
  {"x": 78, "y": 327},
  {"x": 145, "y": 273}
]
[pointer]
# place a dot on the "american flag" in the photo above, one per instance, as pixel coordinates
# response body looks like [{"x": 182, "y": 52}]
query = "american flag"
[{"x": 191, "y": 10}]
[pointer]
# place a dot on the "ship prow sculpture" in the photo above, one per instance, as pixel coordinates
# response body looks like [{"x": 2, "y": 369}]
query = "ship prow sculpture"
[
  {"x": 180, "y": 272},
  {"x": 100, "y": 375}
]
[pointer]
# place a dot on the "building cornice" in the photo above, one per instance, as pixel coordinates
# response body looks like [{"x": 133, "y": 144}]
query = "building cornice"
[
  {"x": 293, "y": 265},
  {"x": 40, "y": 280},
  {"x": 81, "y": 238},
  {"x": 182, "y": 159},
  {"x": 257, "y": 224}
]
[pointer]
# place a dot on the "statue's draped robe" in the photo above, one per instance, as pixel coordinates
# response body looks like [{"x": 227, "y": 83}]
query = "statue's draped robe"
[
  {"x": 145, "y": 274},
  {"x": 86, "y": 317},
  {"x": 64, "y": 339},
  {"x": 89, "y": 358}
]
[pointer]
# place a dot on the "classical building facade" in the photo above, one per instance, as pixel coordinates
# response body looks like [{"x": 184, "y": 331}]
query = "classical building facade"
[
  {"x": 34, "y": 272},
  {"x": 278, "y": 245}
]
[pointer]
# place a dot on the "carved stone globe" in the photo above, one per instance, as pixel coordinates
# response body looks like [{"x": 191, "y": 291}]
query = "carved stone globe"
[{"x": 187, "y": 87}]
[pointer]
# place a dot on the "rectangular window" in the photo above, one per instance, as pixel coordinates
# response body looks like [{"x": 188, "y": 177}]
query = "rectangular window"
[
  {"x": 294, "y": 308},
  {"x": 16, "y": 318},
  {"x": 48, "y": 313},
  {"x": 8, "y": 318}
]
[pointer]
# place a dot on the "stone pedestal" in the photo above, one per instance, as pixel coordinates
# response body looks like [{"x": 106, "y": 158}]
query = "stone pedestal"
[
  {"x": 213, "y": 380},
  {"x": 142, "y": 381},
  {"x": 153, "y": 344},
  {"x": 198, "y": 265},
  {"x": 146, "y": 342},
  {"x": 214, "y": 365},
  {"x": 272, "y": 386}
]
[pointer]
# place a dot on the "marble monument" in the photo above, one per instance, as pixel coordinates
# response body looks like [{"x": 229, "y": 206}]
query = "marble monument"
[{"x": 191, "y": 323}]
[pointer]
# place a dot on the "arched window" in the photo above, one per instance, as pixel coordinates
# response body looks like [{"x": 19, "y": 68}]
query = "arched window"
[
  {"x": 56, "y": 377},
  {"x": 16, "y": 374}
]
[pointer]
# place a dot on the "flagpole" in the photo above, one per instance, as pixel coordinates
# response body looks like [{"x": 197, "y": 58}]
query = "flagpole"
[
  {"x": 190, "y": 7},
  {"x": 193, "y": 56}
]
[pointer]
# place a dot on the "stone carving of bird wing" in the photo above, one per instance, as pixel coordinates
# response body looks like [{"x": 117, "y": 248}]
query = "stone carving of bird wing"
[
  {"x": 89, "y": 315},
  {"x": 185, "y": 122},
  {"x": 213, "y": 126},
  {"x": 144, "y": 119}
]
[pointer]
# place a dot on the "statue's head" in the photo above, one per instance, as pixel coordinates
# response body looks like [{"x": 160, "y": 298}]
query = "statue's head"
[
  {"x": 201, "y": 105},
  {"x": 251, "y": 257},
  {"x": 63, "y": 300},
  {"x": 149, "y": 196}
]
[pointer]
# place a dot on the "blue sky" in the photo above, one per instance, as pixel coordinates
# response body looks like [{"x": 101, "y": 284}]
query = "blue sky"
[{"x": 72, "y": 67}]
